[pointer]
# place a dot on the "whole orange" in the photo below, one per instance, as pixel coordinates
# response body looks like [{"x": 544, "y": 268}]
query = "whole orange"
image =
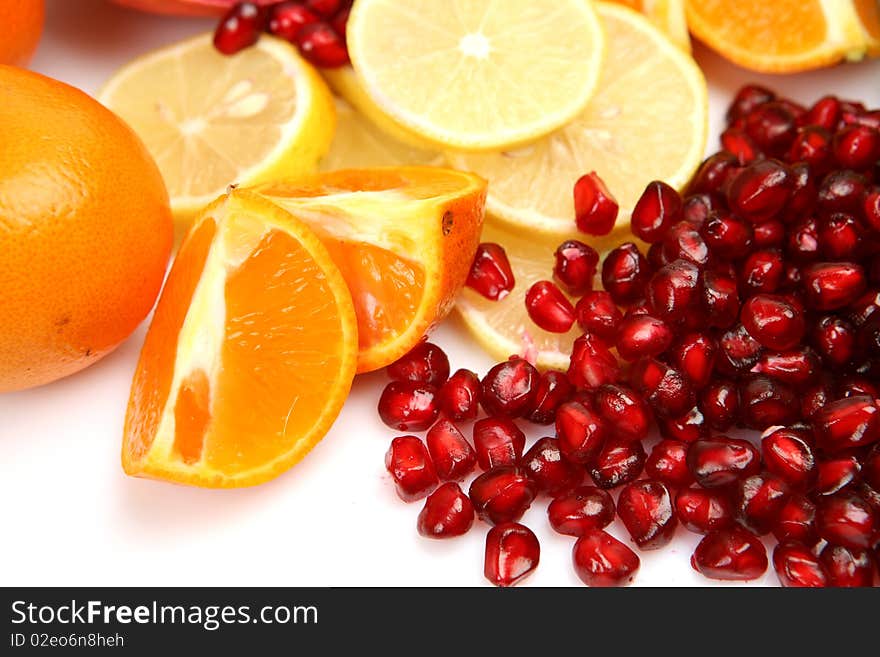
[
  {"x": 21, "y": 24},
  {"x": 85, "y": 230}
]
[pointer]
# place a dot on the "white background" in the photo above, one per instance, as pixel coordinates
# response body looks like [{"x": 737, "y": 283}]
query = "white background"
[{"x": 71, "y": 517}]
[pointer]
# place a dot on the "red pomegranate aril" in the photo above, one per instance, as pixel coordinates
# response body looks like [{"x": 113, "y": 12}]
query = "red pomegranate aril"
[
  {"x": 845, "y": 519},
  {"x": 856, "y": 147},
  {"x": 665, "y": 389},
  {"x": 803, "y": 194},
  {"x": 687, "y": 428},
  {"x": 788, "y": 455},
  {"x": 339, "y": 22},
  {"x": 595, "y": 209},
  {"x": 597, "y": 313},
  {"x": 847, "y": 567},
  {"x": 600, "y": 560},
  {"x": 797, "y": 566},
  {"x": 836, "y": 474},
  {"x": 549, "y": 308},
  {"x": 815, "y": 398},
  {"x": 642, "y": 336},
  {"x": 736, "y": 141},
  {"x": 498, "y": 442},
  {"x": 617, "y": 463},
  {"x": 797, "y": 521},
  {"x": 658, "y": 208},
  {"x": 834, "y": 338},
  {"x": 760, "y": 190},
  {"x": 684, "y": 241},
  {"x": 719, "y": 404},
  {"x": 773, "y": 321},
  {"x": 746, "y": 100},
  {"x": 848, "y": 422},
  {"x": 592, "y": 363},
  {"x": 624, "y": 409},
  {"x": 871, "y": 467},
  {"x": 625, "y": 273},
  {"x": 855, "y": 385},
  {"x": 722, "y": 461},
  {"x": 551, "y": 391},
  {"x": 502, "y": 495},
  {"x": 842, "y": 191},
  {"x": 408, "y": 405},
  {"x": 425, "y": 363},
  {"x": 490, "y": 274},
  {"x": 812, "y": 146},
  {"x": 769, "y": 234},
  {"x": 550, "y": 472},
  {"x": 765, "y": 402},
  {"x": 697, "y": 208},
  {"x": 694, "y": 356},
  {"x": 762, "y": 271},
  {"x": 645, "y": 508},
  {"x": 410, "y": 466},
  {"x": 825, "y": 113},
  {"x": 802, "y": 241},
  {"x": 702, "y": 510},
  {"x": 286, "y": 19},
  {"x": 758, "y": 500},
  {"x": 239, "y": 28},
  {"x": 575, "y": 267},
  {"x": 325, "y": 8},
  {"x": 581, "y": 432},
  {"x": 863, "y": 308},
  {"x": 795, "y": 368},
  {"x": 448, "y": 512},
  {"x": 833, "y": 285},
  {"x": 713, "y": 174},
  {"x": 840, "y": 236},
  {"x": 673, "y": 289},
  {"x": 320, "y": 45},
  {"x": 509, "y": 388},
  {"x": 720, "y": 299},
  {"x": 452, "y": 455},
  {"x": 732, "y": 553},
  {"x": 459, "y": 398},
  {"x": 771, "y": 127},
  {"x": 738, "y": 352},
  {"x": 512, "y": 553},
  {"x": 871, "y": 209},
  {"x": 583, "y": 510},
  {"x": 667, "y": 463},
  {"x": 727, "y": 236}
]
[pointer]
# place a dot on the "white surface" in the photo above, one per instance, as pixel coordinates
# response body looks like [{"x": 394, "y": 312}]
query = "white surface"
[{"x": 70, "y": 516}]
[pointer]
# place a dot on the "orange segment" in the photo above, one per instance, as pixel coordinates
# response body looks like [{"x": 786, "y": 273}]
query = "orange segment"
[
  {"x": 869, "y": 17},
  {"x": 403, "y": 238},
  {"x": 250, "y": 355}
]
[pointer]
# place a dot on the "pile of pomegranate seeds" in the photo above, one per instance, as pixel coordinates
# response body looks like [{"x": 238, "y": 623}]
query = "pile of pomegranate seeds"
[
  {"x": 316, "y": 27},
  {"x": 755, "y": 307}
]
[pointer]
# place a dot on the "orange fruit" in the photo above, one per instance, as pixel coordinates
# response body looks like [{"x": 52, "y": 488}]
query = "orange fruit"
[
  {"x": 85, "y": 230},
  {"x": 250, "y": 355},
  {"x": 785, "y": 35},
  {"x": 21, "y": 24},
  {"x": 668, "y": 15},
  {"x": 404, "y": 239}
]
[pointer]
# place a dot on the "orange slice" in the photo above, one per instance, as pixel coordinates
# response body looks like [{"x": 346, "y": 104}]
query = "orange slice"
[
  {"x": 785, "y": 35},
  {"x": 668, "y": 15},
  {"x": 250, "y": 355},
  {"x": 404, "y": 239}
]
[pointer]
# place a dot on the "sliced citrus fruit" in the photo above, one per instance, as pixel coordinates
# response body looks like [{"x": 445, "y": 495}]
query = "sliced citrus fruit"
[
  {"x": 647, "y": 121},
  {"x": 784, "y": 35},
  {"x": 869, "y": 17},
  {"x": 211, "y": 120},
  {"x": 404, "y": 239},
  {"x": 477, "y": 74},
  {"x": 250, "y": 355},
  {"x": 668, "y": 15}
]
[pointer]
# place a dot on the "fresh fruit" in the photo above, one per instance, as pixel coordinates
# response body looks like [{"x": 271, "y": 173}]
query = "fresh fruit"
[
  {"x": 667, "y": 15},
  {"x": 85, "y": 230},
  {"x": 601, "y": 560},
  {"x": 512, "y": 554},
  {"x": 404, "y": 239},
  {"x": 787, "y": 35},
  {"x": 581, "y": 511},
  {"x": 250, "y": 355},
  {"x": 213, "y": 121},
  {"x": 240, "y": 27},
  {"x": 185, "y": 7},
  {"x": 411, "y": 468},
  {"x": 733, "y": 553},
  {"x": 531, "y": 187},
  {"x": 539, "y": 61},
  {"x": 448, "y": 512},
  {"x": 21, "y": 24}
]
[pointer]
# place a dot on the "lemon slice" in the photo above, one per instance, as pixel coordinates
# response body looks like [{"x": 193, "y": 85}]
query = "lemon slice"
[
  {"x": 648, "y": 120},
  {"x": 668, "y": 15},
  {"x": 477, "y": 74},
  {"x": 210, "y": 120}
]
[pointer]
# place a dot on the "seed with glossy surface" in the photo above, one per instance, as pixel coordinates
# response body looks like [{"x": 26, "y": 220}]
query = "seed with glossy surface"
[
  {"x": 703, "y": 510},
  {"x": 549, "y": 308},
  {"x": 286, "y": 19},
  {"x": 239, "y": 28},
  {"x": 424, "y": 363},
  {"x": 595, "y": 209},
  {"x": 592, "y": 363},
  {"x": 788, "y": 455},
  {"x": 762, "y": 271},
  {"x": 847, "y": 567},
  {"x": 720, "y": 299},
  {"x": 658, "y": 208},
  {"x": 408, "y": 406},
  {"x": 739, "y": 143},
  {"x": 765, "y": 402},
  {"x": 719, "y": 403},
  {"x": 549, "y": 471},
  {"x": 722, "y": 461},
  {"x": 772, "y": 127},
  {"x": 617, "y": 463},
  {"x": 512, "y": 553},
  {"x": 760, "y": 190},
  {"x": 835, "y": 474},
  {"x": 664, "y": 388},
  {"x": 687, "y": 428},
  {"x": 733, "y": 553},
  {"x": 833, "y": 285},
  {"x": 773, "y": 321},
  {"x": 846, "y": 423},
  {"x": 509, "y": 388},
  {"x": 796, "y": 368},
  {"x": 601, "y": 560},
  {"x": 797, "y": 566},
  {"x": 624, "y": 409},
  {"x": 320, "y": 44},
  {"x": 501, "y": 495},
  {"x": 797, "y": 521},
  {"x": 459, "y": 398},
  {"x": 738, "y": 352},
  {"x": 856, "y": 147},
  {"x": 447, "y": 513},
  {"x": 498, "y": 441},
  {"x": 712, "y": 176},
  {"x": 452, "y": 455},
  {"x": 673, "y": 290},
  {"x": 684, "y": 241},
  {"x": 746, "y": 100},
  {"x": 581, "y": 432},
  {"x": 727, "y": 236},
  {"x": 667, "y": 463},
  {"x": 551, "y": 391},
  {"x": 410, "y": 466},
  {"x": 845, "y": 519},
  {"x": 625, "y": 272},
  {"x": 840, "y": 236},
  {"x": 583, "y": 510},
  {"x": 758, "y": 501},
  {"x": 643, "y": 336},
  {"x": 575, "y": 266},
  {"x": 813, "y": 146},
  {"x": 645, "y": 508},
  {"x": 491, "y": 274},
  {"x": 597, "y": 313},
  {"x": 842, "y": 191}
]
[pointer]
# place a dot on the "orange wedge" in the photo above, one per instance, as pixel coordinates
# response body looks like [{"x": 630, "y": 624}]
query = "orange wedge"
[
  {"x": 250, "y": 355},
  {"x": 404, "y": 239}
]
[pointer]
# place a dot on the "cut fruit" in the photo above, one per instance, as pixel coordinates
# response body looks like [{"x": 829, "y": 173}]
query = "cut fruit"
[
  {"x": 250, "y": 355},
  {"x": 211, "y": 121},
  {"x": 668, "y": 15},
  {"x": 477, "y": 74},
  {"x": 785, "y": 35},
  {"x": 404, "y": 239},
  {"x": 647, "y": 121}
]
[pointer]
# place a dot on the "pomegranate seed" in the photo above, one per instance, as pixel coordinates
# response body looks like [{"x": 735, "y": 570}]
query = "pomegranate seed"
[
  {"x": 448, "y": 512},
  {"x": 833, "y": 285},
  {"x": 409, "y": 464},
  {"x": 339, "y": 22},
  {"x": 322, "y": 46},
  {"x": 687, "y": 428},
  {"x": 512, "y": 553},
  {"x": 665, "y": 388},
  {"x": 863, "y": 308},
  {"x": 595, "y": 209},
  {"x": 694, "y": 356},
  {"x": 553, "y": 388},
  {"x": 598, "y": 314},
  {"x": 845, "y": 519},
  {"x": 727, "y": 236},
  {"x": 760, "y": 190},
  {"x": 771, "y": 127},
  {"x": 722, "y": 461},
  {"x": 762, "y": 271},
  {"x": 714, "y": 173},
  {"x": 871, "y": 467},
  {"x": 856, "y": 147},
  {"x": 797, "y": 566},
  {"x": 581, "y": 432},
  {"x": 758, "y": 501},
  {"x": 736, "y": 141},
  {"x": 575, "y": 266},
  {"x": 834, "y": 338},
  {"x": 667, "y": 463},
  {"x": 703, "y": 510},
  {"x": 746, "y": 100},
  {"x": 642, "y": 336},
  {"x": 583, "y": 510},
  {"x": 788, "y": 455},
  {"x": 697, "y": 209},
  {"x": 848, "y": 422},
  {"x": 871, "y": 208},
  {"x": 425, "y": 363},
  {"x": 802, "y": 243},
  {"x": 625, "y": 272},
  {"x": 720, "y": 299},
  {"x": 459, "y": 398},
  {"x": 600, "y": 560},
  {"x": 673, "y": 289},
  {"x": 452, "y": 455},
  {"x": 836, "y": 474},
  {"x": 658, "y": 208},
  {"x": 509, "y": 388},
  {"x": 854, "y": 386},
  {"x": 738, "y": 351},
  {"x": 592, "y": 363},
  {"x": 814, "y": 399},
  {"x": 719, "y": 403},
  {"x": 549, "y": 308},
  {"x": 618, "y": 462},
  {"x": 501, "y": 495},
  {"x": 847, "y": 567},
  {"x": 797, "y": 521},
  {"x": 773, "y": 321},
  {"x": 239, "y": 28},
  {"x": 490, "y": 274},
  {"x": 549, "y": 471},
  {"x": 732, "y": 553},
  {"x": 812, "y": 146},
  {"x": 803, "y": 193},
  {"x": 498, "y": 442},
  {"x": 624, "y": 409},
  {"x": 408, "y": 406},
  {"x": 684, "y": 241},
  {"x": 646, "y": 511},
  {"x": 325, "y": 8},
  {"x": 286, "y": 19},
  {"x": 766, "y": 402},
  {"x": 840, "y": 236},
  {"x": 769, "y": 234},
  {"x": 825, "y": 112},
  {"x": 842, "y": 191},
  {"x": 794, "y": 368}
]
